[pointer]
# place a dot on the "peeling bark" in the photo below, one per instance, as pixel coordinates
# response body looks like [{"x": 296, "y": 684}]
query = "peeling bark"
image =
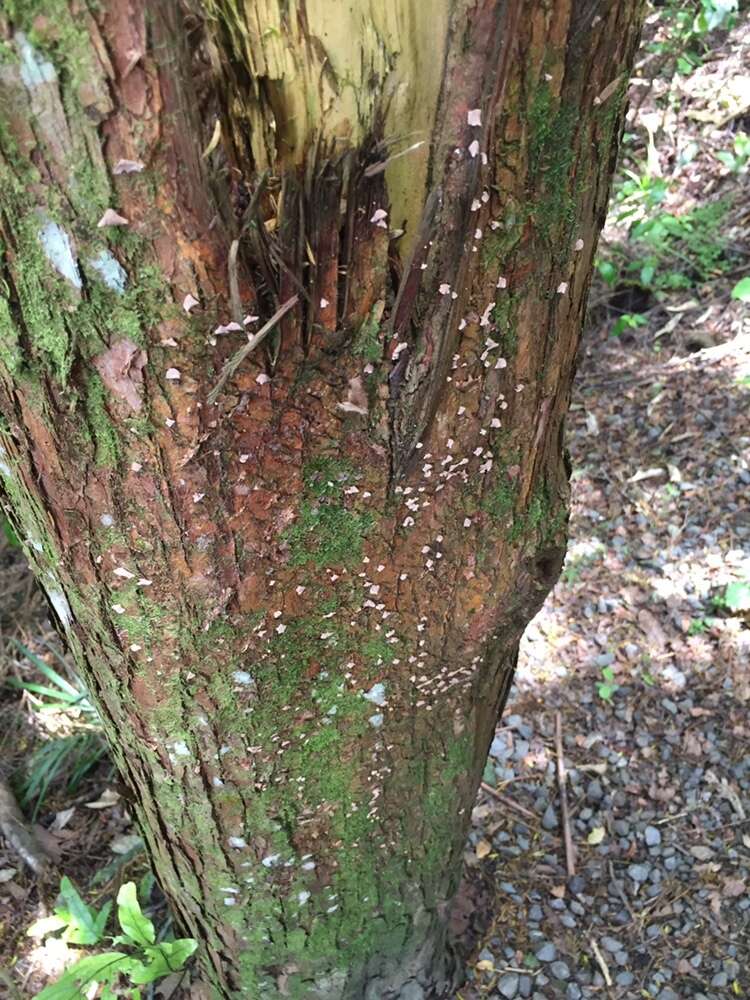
[{"x": 297, "y": 594}]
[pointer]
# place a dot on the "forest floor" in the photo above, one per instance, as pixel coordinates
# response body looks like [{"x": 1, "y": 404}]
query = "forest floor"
[{"x": 635, "y": 677}]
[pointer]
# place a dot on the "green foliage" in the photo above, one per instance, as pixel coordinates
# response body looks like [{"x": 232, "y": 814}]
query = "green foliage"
[
  {"x": 737, "y": 161},
  {"x": 736, "y": 596},
  {"x": 741, "y": 290},
  {"x": 685, "y": 26},
  {"x": 699, "y": 625},
  {"x": 665, "y": 252},
  {"x": 79, "y": 923},
  {"x": 628, "y": 321},
  {"x": 607, "y": 686},
  {"x": 714, "y": 14},
  {"x": 145, "y": 961},
  {"x": 68, "y": 757}
]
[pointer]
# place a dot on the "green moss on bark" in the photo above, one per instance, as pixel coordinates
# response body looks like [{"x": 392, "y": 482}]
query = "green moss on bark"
[{"x": 327, "y": 532}]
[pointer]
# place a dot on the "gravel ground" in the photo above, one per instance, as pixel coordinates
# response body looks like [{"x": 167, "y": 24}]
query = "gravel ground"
[{"x": 650, "y": 678}]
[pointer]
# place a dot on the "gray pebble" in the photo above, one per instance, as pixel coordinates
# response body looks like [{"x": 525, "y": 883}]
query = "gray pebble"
[
  {"x": 549, "y": 820},
  {"x": 720, "y": 979},
  {"x": 612, "y": 944},
  {"x": 594, "y": 791},
  {"x": 547, "y": 953},
  {"x": 652, "y": 836},
  {"x": 624, "y": 978},
  {"x": 525, "y": 986},
  {"x": 639, "y": 873},
  {"x": 560, "y": 970},
  {"x": 535, "y": 913},
  {"x": 508, "y": 985}
]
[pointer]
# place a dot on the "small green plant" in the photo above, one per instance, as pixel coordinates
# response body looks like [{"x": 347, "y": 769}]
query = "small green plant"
[
  {"x": 741, "y": 290},
  {"x": 609, "y": 274},
  {"x": 628, "y": 321},
  {"x": 639, "y": 195},
  {"x": 685, "y": 25},
  {"x": 143, "y": 960},
  {"x": 714, "y": 14},
  {"x": 606, "y": 687},
  {"x": 72, "y": 755},
  {"x": 737, "y": 161},
  {"x": 698, "y": 626},
  {"x": 665, "y": 252},
  {"x": 736, "y": 596}
]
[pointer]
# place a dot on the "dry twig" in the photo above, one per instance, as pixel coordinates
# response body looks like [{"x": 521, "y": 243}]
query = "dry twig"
[{"x": 570, "y": 852}]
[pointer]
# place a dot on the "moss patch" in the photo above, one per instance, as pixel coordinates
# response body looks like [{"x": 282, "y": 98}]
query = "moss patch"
[
  {"x": 551, "y": 130},
  {"x": 327, "y": 532},
  {"x": 102, "y": 428}
]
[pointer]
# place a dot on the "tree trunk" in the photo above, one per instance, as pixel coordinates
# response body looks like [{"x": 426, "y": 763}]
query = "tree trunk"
[{"x": 295, "y": 575}]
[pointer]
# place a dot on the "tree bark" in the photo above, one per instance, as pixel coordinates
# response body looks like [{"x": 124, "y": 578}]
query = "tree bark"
[{"x": 295, "y": 576}]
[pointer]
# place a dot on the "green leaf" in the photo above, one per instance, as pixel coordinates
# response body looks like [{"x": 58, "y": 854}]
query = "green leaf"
[
  {"x": 737, "y": 595},
  {"x": 101, "y": 920},
  {"x": 132, "y": 921},
  {"x": 75, "y": 981},
  {"x": 741, "y": 290},
  {"x": 596, "y": 836},
  {"x": 80, "y": 918},
  {"x": 608, "y": 271},
  {"x": 165, "y": 958},
  {"x": 606, "y": 691}
]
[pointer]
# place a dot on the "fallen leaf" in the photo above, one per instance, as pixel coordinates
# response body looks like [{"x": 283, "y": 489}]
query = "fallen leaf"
[
  {"x": 596, "y": 836},
  {"x": 734, "y": 887},
  {"x": 6, "y": 874},
  {"x": 121, "y": 371},
  {"x": 483, "y": 848},
  {"x": 558, "y": 891},
  {"x": 125, "y": 843},
  {"x": 106, "y": 800},
  {"x": 62, "y": 818}
]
